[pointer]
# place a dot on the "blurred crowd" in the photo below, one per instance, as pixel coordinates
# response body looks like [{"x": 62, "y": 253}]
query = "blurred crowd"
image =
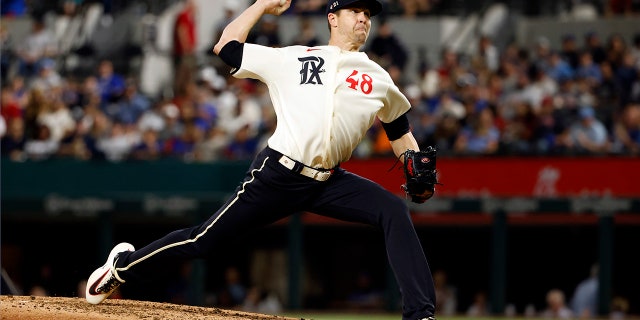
[{"x": 580, "y": 98}]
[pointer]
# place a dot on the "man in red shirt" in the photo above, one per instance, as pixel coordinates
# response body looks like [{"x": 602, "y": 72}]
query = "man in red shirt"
[{"x": 184, "y": 46}]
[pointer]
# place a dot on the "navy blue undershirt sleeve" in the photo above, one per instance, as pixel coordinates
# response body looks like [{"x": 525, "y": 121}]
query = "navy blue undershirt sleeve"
[
  {"x": 396, "y": 128},
  {"x": 231, "y": 54}
]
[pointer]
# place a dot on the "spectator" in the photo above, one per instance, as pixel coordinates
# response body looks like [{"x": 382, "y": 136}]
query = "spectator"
[
  {"x": 231, "y": 8},
  {"x": 37, "y": 104},
  {"x": 110, "y": 85},
  {"x": 149, "y": 148},
  {"x": 588, "y": 70},
  {"x": 213, "y": 147},
  {"x": 183, "y": 146},
  {"x": 448, "y": 69},
  {"x": 94, "y": 126},
  {"x": 10, "y": 106},
  {"x": 616, "y": 49},
  {"x": 569, "y": 50},
  {"x": 593, "y": 44},
  {"x": 205, "y": 108},
  {"x": 535, "y": 93},
  {"x": 59, "y": 121},
  {"x": 619, "y": 308},
  {"x": 211, "y": 83},
  {"x": 584, "y": 302},
  {"x": 117, "y": 145},
  {"x": 6, "y": 54},
  {"x": 38, "y": 45},
  {"x": 234, "y": 292},
  {"x": 75, "y": 148},
  {"x": 479, "y": 137},
  {"x": 186, "y": 94},
  {"x": 261, "y": 301},
  {"x": 13, "y": 141},
  {"x": 307, "y": 35},
  {"x": 589, "y": 135},
  {"x": 608, "y": 92},
  {"x": 190, "y": 115},
  {"x": 154, "y": 118},
  {"x": 421, "y": 118},
  {"x": 267, "y": 33},
  {"x": 627, "y": 76},
  {"x": 387, "y": 49},
  {"x": 627, "y": 131},
  {"x": 243, "y": 110},
  {"x": 550, "y": 129},
  {"x": 365, "y": 296},
  {"x": 172, "y": 124},
  {"x": 446, "y": 294},
  {"x": 184, "y": 36},
  {"x": 41, "y": 146},
  {"x": 487, "y": 56},
  {"x": 558, "y": 69},
  {"x": 243, "y": 145},
  {"x": 542, "y": 53},
  {"x": 132, "y": 105},
  {"x": 635, "y": 50},
  {"x": 19, "y": 91},
  {"x": 445, "y": 134},
  {"x": 47, "y": 77},
  {"x": 556, "y": 307},
  {"x": 517, "y": 133},
  {"x": 185, "y": 45},
  {"x": 429, "y": 80},
  {"x": 88, "y": 90},
  {"x": 480, "y": 306},
  {"x": 449, "y": 105}
]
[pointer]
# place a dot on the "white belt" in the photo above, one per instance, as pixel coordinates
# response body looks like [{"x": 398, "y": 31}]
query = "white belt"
[{"x": 315, "y": 174}]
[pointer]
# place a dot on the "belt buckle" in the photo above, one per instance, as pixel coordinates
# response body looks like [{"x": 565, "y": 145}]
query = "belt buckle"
[{"x": 322, "y": 175}]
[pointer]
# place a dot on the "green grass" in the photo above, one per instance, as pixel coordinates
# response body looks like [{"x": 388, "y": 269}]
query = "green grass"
[{"x": 353, "y": 316}]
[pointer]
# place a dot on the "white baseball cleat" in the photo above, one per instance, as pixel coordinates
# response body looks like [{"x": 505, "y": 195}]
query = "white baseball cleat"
[{"x": 103, "y": 281}]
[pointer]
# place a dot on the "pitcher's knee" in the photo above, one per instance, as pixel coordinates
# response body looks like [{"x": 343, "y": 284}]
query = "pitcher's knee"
[{"x": 395, "y": 211}]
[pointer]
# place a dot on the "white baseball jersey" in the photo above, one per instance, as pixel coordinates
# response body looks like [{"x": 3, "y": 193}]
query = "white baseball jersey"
[{"x": 325, "y": 99}]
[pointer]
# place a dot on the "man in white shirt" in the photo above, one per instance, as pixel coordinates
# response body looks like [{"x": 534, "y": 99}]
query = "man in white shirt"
[{"x": 325, "y": 99}]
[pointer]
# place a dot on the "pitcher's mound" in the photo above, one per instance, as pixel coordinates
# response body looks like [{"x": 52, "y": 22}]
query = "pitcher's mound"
[{"x": 57, "y": 308}]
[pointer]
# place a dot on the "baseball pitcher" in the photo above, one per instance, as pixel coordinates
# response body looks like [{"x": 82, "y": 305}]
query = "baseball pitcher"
[{"x": 325, "y": 100}]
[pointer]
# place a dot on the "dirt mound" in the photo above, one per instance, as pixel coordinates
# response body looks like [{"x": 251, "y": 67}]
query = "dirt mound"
[{"x": 57, "y": 308}]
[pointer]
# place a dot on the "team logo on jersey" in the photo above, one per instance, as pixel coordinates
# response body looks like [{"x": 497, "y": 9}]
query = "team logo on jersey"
[{"x": 311, "y": 68}]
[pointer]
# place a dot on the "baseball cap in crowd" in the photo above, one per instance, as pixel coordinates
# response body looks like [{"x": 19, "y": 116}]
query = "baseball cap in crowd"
[{"x": 374, "y": 6}]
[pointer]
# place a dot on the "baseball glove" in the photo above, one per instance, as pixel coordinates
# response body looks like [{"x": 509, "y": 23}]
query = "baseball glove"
[{"x": 420, "y": 174}]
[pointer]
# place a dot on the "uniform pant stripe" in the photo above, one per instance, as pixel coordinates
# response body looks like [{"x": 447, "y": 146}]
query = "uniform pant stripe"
[{"x": 201, "y": 233}]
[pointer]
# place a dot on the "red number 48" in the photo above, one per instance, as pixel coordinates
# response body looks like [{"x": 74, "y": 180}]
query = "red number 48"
[{"x": 366, "y": 85}]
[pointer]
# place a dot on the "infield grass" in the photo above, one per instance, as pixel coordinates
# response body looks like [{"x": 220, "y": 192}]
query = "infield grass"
[
  {"x": 312, "y": 315},
  {"x": 351, "y": 316}
]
